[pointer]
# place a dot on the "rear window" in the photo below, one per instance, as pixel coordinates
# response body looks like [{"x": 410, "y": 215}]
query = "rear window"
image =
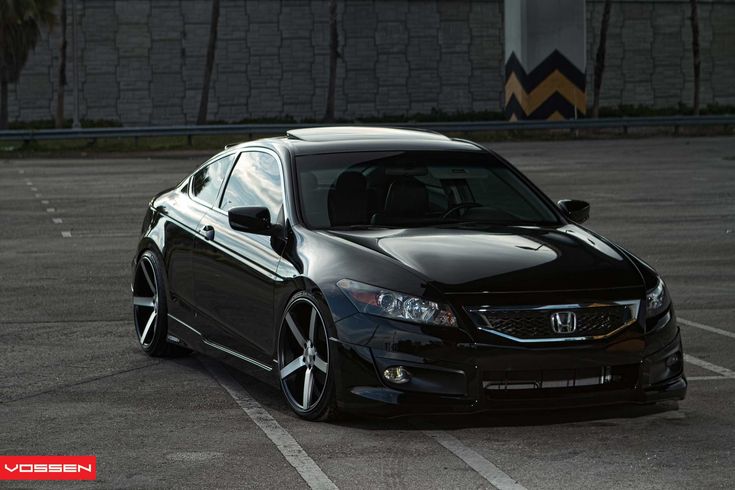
[{"x": 206, "y": 183}]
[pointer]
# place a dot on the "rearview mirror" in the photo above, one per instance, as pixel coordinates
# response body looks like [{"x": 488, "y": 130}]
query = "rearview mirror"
[
  {"x": 255, "y": 219},
  {"x": 577, "y": 211}
]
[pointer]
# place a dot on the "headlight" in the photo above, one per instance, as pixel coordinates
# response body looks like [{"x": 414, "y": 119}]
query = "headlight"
[
  {"x": 399, "y": 306},
  {"x": 657, "y": 299}
]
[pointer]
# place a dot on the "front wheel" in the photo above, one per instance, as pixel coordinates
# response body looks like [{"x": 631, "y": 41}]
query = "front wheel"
[
  {"x": 304, "y": 359},
  {"x": 150, "y": 310}
]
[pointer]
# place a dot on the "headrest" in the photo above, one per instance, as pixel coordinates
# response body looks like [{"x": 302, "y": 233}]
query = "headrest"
[{"x": 406, "y": 197}]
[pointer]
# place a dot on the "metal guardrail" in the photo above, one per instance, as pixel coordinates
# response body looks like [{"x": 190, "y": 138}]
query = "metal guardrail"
[{"x": 622, "y": 123}]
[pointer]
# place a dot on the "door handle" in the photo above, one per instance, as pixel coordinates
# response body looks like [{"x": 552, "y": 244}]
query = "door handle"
[{"x": 208, "y": 232}]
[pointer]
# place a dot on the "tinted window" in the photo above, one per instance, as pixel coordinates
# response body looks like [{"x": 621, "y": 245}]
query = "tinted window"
[
  {"x": 255, "y": 181},
  {"x": 414, "y": 188},
  {"x": 206, "y": 182}
]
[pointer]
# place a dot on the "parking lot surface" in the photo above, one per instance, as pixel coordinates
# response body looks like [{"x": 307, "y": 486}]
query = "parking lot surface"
[{"x": 74, "y": 380}]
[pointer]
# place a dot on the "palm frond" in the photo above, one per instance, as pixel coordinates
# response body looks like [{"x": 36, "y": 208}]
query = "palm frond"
[{"x": 21, "y": 22}]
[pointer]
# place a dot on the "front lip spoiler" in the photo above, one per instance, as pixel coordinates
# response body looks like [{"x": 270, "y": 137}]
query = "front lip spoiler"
[{"x": 389, "y": 403}]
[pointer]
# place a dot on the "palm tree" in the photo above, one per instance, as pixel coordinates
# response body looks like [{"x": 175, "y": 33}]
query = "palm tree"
[
  {"x": 20, "y": 28},
  {"x": 333, "y": 55},
  {"x": 696, "y": 61},
  {"x": 600, "y": 59},
  {"x": 209, "y": 64}
]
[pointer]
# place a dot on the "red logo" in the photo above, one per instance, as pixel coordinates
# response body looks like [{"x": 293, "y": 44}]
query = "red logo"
[{"x": 48, "y": 467}]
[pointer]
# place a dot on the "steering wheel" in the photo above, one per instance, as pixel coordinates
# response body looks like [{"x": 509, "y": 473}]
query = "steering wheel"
[{"x": 460, "y": 206}]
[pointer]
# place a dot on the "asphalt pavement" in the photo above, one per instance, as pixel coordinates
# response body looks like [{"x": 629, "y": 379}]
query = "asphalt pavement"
[{"x": 74, "y": 381}]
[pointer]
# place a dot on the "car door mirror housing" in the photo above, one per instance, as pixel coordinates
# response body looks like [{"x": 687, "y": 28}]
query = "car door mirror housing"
[
  {"x": 254, "y": 219},
  {"x": 577, "y": 211}
]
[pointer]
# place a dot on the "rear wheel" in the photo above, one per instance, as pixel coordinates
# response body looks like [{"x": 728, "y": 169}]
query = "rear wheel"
[
  {"x": 150, "y": 310},
  {"x": 304, "y": 360}
]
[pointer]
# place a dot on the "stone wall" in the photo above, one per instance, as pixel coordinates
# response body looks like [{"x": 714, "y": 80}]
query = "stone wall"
[
  {"x": 142, "y": 61},
  {"x": 649, "y": 53}
]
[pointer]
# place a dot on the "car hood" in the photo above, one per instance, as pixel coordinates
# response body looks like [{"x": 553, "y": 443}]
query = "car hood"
[{"x": 504, "y": 259}]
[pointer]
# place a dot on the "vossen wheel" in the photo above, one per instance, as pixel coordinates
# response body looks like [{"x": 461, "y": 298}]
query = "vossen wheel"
[
  {"x": 150, "y": 310},
  {"x": 303, "y": 359}
]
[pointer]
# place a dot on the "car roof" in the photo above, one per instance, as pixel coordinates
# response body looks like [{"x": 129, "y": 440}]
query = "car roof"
[
  {"x": 356, "y": 133},
  {"x": 341, "y": 139}
]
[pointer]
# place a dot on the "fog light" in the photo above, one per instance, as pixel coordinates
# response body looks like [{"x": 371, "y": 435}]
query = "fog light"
[{"x": 397, "y": 374}]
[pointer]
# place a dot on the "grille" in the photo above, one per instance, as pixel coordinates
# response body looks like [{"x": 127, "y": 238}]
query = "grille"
[
  {"x": 514, "y": 384},
  {"x": 536, "y": 324}
]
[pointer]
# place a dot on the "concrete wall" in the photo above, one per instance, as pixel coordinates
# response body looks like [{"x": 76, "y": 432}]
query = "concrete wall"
[{"x": 142, "y": 60}]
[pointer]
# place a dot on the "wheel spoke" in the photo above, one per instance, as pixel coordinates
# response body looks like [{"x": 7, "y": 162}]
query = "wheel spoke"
[
  {"x": 292, "y": 367},
  {"x": 308, "y": 385},
  {"x": 148, "y": 278},
  {"x": 143, "y": 301},
  {"x": 320, "y": 364},
  {"x": 295, "y": 330},
  {"x": 147, "y": 327},
  {"x": 312, "y": 324}
]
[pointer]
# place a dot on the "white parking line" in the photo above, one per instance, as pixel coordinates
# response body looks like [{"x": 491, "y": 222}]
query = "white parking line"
[
  {"x": 702, "y": 326},
  {"x": 723, "y": 371},
  {"x": 474, "y": 460},
  {"x": 705, "y": 378},
  {"x": 291, "y": 450}
]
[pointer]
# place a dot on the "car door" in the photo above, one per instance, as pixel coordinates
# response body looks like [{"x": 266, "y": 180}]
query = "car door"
[
  {"x": 234, "y": 271},
  {"x": 202, "y": 192}
]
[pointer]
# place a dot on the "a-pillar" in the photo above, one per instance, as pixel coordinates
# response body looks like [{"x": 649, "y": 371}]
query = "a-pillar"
[{"x": 545, "y": 59}]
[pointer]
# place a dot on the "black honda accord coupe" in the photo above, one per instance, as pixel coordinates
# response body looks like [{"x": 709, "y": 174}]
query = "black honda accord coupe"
[{"x": 388, "y": 271}]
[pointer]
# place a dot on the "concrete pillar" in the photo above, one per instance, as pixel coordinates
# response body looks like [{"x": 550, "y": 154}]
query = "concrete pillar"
[{"x": 545, "y": 59}]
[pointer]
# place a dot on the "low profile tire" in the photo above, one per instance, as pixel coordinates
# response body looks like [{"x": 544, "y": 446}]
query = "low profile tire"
[
  {"x": 304, "y": 367},
  {"x": 150, "y": 310}
]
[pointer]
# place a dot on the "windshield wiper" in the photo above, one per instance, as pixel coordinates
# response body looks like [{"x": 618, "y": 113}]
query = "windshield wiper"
[
  {"x": 357, "y": 227},
  {"x": 450, "y": 224}
]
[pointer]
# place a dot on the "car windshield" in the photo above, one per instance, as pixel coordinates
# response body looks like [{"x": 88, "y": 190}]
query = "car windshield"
[{"x": 414, "y": 189}]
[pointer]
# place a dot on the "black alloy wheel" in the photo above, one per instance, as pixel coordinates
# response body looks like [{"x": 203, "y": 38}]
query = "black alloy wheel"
[{"x": 150, "y": 311}]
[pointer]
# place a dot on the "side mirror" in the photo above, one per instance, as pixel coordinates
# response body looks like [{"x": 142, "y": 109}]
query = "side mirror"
[
  {"x": 254, "y": 219},
  {"x": 577, "y": 211}
]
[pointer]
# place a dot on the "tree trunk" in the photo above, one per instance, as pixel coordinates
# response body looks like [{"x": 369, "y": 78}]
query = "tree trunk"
[
  {"x": 204, "y": 100},
  {"x": 333, "y": 56},
  {"x": 697, "y": 62},
  {"x": 59, "y": 116},
  {"x": 3, "y": 103},
  {"x": 600, "y": 59}
]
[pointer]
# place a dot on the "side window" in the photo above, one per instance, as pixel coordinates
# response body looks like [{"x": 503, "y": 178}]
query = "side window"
[
  {"x": 255, "y": 181},
  {"x": 206, "y": 183}
]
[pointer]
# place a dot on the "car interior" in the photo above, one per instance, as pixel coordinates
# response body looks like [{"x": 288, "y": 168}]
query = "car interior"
[{"x": 412, "y": 195}]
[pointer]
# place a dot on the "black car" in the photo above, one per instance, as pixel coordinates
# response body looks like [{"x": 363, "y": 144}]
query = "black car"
[{"x": 387, "y": 271}]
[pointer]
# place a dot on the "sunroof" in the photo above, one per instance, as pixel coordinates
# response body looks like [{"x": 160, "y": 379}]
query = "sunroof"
[{"x": 347, "y": 133}]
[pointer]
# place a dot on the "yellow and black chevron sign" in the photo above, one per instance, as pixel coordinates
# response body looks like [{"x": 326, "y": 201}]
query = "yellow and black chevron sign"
[{"x": 552, "y": 90}]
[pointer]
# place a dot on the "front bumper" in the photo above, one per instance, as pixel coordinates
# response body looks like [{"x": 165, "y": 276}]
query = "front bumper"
[{"x": 451, "y": 373}]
